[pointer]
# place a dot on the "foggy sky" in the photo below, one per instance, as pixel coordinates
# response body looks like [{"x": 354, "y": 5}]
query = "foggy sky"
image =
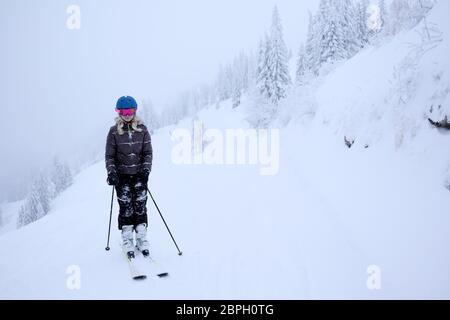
[{"x": 59, "y": 86}]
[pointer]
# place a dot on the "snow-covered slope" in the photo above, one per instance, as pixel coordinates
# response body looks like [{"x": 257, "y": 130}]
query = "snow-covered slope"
[
  {"x": 8, "y": 216},
  {"x": 311, "y": 231}
]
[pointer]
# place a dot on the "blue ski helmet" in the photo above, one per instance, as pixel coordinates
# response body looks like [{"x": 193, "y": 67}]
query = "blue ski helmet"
[{"x": 126, "y": 102}]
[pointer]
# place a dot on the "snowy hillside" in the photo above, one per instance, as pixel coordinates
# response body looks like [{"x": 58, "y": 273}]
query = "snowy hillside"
[{"x": 310, "y": 231}]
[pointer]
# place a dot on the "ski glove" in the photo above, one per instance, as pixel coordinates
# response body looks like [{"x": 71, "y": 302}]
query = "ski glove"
[
  {"x": 113, "y": 179},
  {"x": 144, "y": 176}
]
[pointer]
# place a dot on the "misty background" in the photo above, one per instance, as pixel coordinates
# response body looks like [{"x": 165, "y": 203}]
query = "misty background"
[{"x": 59, "y": 86}]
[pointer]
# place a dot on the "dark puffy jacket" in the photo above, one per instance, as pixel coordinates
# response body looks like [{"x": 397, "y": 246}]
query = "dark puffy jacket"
[{"x": 128, "y": 148}]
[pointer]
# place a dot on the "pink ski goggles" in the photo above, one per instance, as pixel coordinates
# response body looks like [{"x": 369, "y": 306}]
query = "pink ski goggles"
[{"x": 126, "y": 112}]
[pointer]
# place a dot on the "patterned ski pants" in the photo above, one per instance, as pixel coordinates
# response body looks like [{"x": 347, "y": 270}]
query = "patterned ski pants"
[{"x": 132, "y": 198}]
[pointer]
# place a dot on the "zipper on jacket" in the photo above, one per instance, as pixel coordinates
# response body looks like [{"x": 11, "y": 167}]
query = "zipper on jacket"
[{"x": 129, "y": 132}]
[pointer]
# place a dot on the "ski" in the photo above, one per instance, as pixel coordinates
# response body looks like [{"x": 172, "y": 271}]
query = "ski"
[
  {"x": 134, "y": 271},
  {"x": 159, "y": 271}
]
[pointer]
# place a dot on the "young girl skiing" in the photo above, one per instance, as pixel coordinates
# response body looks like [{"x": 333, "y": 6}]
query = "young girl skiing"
[{"x": 128, "y": 160}]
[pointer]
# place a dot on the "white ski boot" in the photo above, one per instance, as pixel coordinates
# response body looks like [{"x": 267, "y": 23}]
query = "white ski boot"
[
  {"x": 127, "y": 241},
  {"x": 141, "y": 239}
]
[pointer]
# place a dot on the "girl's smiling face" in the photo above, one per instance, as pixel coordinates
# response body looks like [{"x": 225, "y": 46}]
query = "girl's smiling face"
[{"x": 127, "y": 118}]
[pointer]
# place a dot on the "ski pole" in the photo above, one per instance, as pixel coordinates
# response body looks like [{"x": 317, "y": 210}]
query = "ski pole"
[
  {"x": 179, "y": 252},
  {"x": 110, "y": 216}
]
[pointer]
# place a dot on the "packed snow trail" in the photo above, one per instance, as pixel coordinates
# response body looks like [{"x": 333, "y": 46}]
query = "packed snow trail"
[{"x": 243, "y": 235}]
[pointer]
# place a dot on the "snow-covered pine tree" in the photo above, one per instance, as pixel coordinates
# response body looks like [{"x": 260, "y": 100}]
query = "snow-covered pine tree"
[
  {"x": 236, "y": 96},
  {"x": 311, "y": 49},
  {"x": 37, "y": 204},
  {"x": 348, "y": 26},
  {"x": 41, "y": 192},
  {"x": 331, "y": 48},
  {"x": 301, "y": 65},
  {"x": 60, "y": 177},
  {"x": 277, "y": 61},
  {"x": 24, "y": 217},
  {"x": 263, "y": 71},
  {"x": 240, "y": 77},
  {"x": 237, "y": 84},
  {"x": 362, "y": 29},
  {"x": 332, "y": 40},
  {"x": 383, "y": 16},
  {"x": 321, "y": 21},
  {"x": 273, "y": 79},
  {"x": 29, "y": 211}
]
